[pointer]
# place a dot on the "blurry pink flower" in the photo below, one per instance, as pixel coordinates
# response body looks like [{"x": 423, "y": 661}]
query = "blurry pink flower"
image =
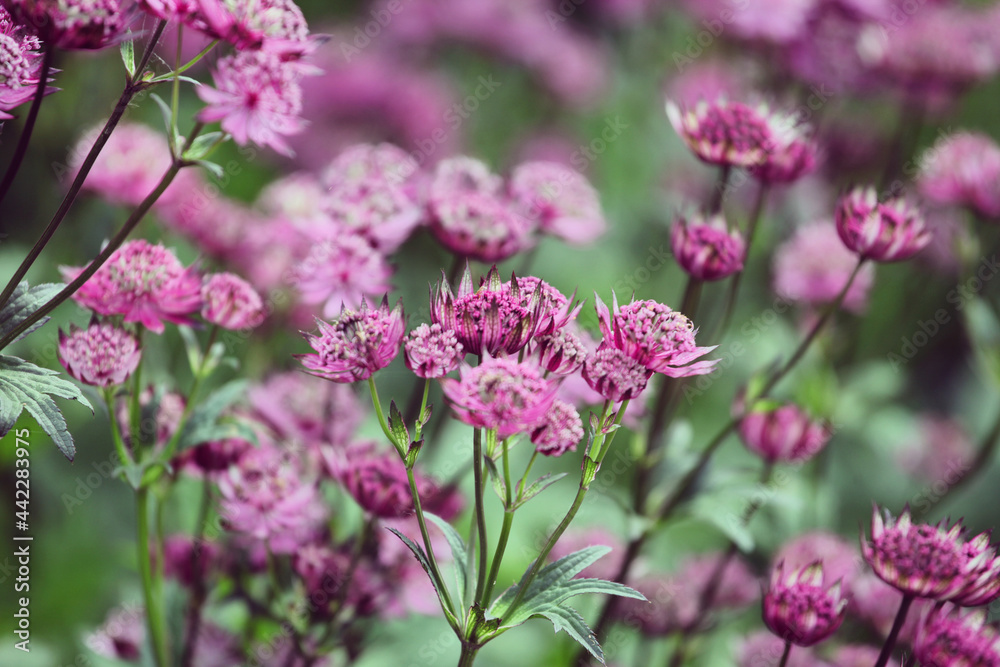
[
  {"x": 763, "y": 649},
  {"x": 297, "y": 197},
  {"x": 813, "y": 266},
  {"x": 799, "y": 608},
  {"x": 100, "y": 355},
  {"x": 20, "y": 65},
  {"x": 941, "y": 454},
  {"x": 500, "y": 394},
  {"x": 724, "y": 133},
  {"x": 356, "y": 344},
  {"x": 128, "y": 168},
  {"x": 211, "y": 459},
  {"x": 73, "y": 24},
  {"x": 707, "y": 80},
  {"x": 876, "y": 602},
  {"x": 376, "y": 481},
  {"x": 432, "y": 351},
  {"x": 160, "y": 426},
  {"x": 791, "y": 155},
  {"x": 774, "y": 21},
  {"x": 275, "y": 26},
  {"x": 364, "y": 162},
  {"x": 302, "y": 408},
  {"x": 146, "y": 283},
  {"x": 856, "y": 656},
  {"x": 216, "y": 225},
  {"x": 462, "y": 174},
  {"x": 340, "y": 271},
  {"x": 122, "y": 635},
  {"x": 841, "y": 560},
  {"x": 257, "y": 98},
  {"x": 374, "y": 208},
  {"x": 615, "y": 375},
  {"x": 963, "y": 169},
  {"x": 705, "y": 248},
  {"x": 559, "y": 200},
  {"x": 185, "y": 11},
  {"x": 892, "y": 231},
  {"x": 783, "y": 434},
  {"x": 479, "y": 226},
  {"x": 188, "y": 561},
  {"x": 952, "y": 638},
  {"x": 559, "y": 431},
  {"x": 231, "y": 303}
]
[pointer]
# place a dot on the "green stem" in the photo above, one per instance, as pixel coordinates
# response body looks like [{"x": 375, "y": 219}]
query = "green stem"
[
  {"x": 380, "y": 414},
  {"x": 29, "y": 124},
  {"x": 477, "y": 468},
  {"x": 468, "y": 655},
  {"x": 523, "y": 484},
  {"x": 175, "y": 93},
  {"x": 189, "y": 405},
  {"x": 154, "y": 612},
  {"x": 508, "y": 521},
  {"x": 116, "y": 433},
  {"x": 785, "y": 654},
  {"x": 135, "y": 404},
  {"x": 447, "y": 604}
]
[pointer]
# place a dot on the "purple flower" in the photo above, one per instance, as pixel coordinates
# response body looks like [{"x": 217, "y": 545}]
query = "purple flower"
[
  {"x": 952, "y": 638},
  {"x": 963, "y": 169},
  {"x": 273, "y": 26},
  {"x": 376, "y": 481},
  {"x": 20, "y": 65},
  {"x": 340, "y": 270},
  {"x": 188, "y": 561},
  {"x": 231, "y": 303},
  {"x": 364, "y": 162},
  {"x": 784, "y": 434},
  {"x": 500, "y": 394},
  {"x": 762, "y": 649},
  {"x": 798, "y": 609},
  {"x": 432, "y": 351},
  {"x": 146, "y": 283},
  {"x": 856, "y": 656},
  {"x": 122, "y": 636},
  {"x": 885, "y": 232},
  {"x": 379, "y": 211},
  {"x": 559, "y": 200},
  {"x": 559, "y": 431},
  {"x": 615, "y": 375},
  {"x": 791, "y": 156},
  {"x": 73, "y": 24},
  {"x": 479, "y": 226},
  {"x": 841, "y": 560},
  {"x": 723, "y": 132},
  {"x": 705, "y": 249},
  {"x": 302, "y": 408},
  {"x": 100, "y": 355},
  {"x": 560, "y": 353},
  {"x": 356, "y": 344}
]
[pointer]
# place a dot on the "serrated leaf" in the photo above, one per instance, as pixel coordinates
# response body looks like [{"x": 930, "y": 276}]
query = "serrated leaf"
[
  {"x": 421, "y": 557},
  {"x": 565, "y": 618},
  {"x": 459, "y": 553},
  {"x": 24, "y": 385},
  {"x": 550, "y": 575},
  {"x": 539, "y": 485},
  {"x": 499, "y": 487},
  {"x": 397, "y": 426},
  {"x": 202, "y": 146},
  {"x": 23, "y": 302}
]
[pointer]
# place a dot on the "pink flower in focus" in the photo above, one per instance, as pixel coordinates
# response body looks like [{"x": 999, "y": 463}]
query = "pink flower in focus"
[
  {"x": 615, "y": 375},
  {"x": 963, "y": 169},
  {"x": 340, "y": 270},
  {"x": 561, "y": 352},
  {"x": 20, "y": 65},
  {"x": 256, "y": 98},
  {"x": 783, "y": 434},
  {"x": 500, "y": 394},
  {"x": 885, "y": 232},
  {"x": 100, "y": 355},
  {"x": 356, "y": 344},
  {"x": 705, "y": 249},
  {"x": 952, "y": 638},
  {"x": 724, "y": 133},
  {"x": 231, "y": 303},
  {"x": 797, "y": 607},
  {"x": 559, "y": 431},
  {"x": 559, "y": 200},
  {"x": 432, "y": 351},
  {"x": 144, "y": 282},
  {"x": 73, "y": 24}
]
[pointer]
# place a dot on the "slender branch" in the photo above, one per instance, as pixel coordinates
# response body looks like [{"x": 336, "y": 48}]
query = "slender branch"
[
  {"x": 154, "y": 613},
  {"x": 508, "y": 521},
  {"x": 715, "y": 203},
  {"x": 787, "y": 652},
  {"x": 897, "y": 625},
  {"x": 29, "y": 125},
  {"x": 198, "y": 590},
  {"x": 477, "y": 468}
]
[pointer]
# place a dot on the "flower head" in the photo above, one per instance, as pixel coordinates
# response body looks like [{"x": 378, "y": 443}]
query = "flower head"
[
  {"x": 100, "y": 355},
  {"x": 302, "y": 408},
  {"x": 798, "y": 609},
  {"x": 559, "y": 200},
  {"x": 791, "y": 156},
  {"x": 705, "y": 249},
  {"x": 657, "y": 337},
  {"x": 433, "y": 351},
  {"x": 363, "y": 162},
  {"x": 257, "y": 98},
  {"x": 479, "y": 226},
  {"x": 20, "y": 65},
  {"x": 559, "y": 431},
  {"x": 500, "y": 394},
  {"x": 274, "y": 26},
  {"x": 840, "y": 557},
  {"x": 963, "y": 169},
  {"x": 376, "y": 481},
  {"x": 885, "y": 232},
  {"x": 356, "y": 344},
  {"x": 231, "y": 303},
  {"x": 340, "y": 270},
  {"x": 561, "y": 352},
  {"x": 723, "y": 132},
  {"x": 144, "y": 282},
  {"x": 381, "y": 212},
  {"x": 122, "y": 636},
  {"x": 932, "y": 561},
  {"x": 615, "y": 375},
  {"x": 73, "y": 24},
  {"x": 952, "y": 638},
  {"x": 785, "y": 433}
]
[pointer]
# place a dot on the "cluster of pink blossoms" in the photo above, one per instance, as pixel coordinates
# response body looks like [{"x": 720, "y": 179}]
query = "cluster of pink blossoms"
[
  {"x": 73, "y": 24},
  {"x": 20, "y": 65}
]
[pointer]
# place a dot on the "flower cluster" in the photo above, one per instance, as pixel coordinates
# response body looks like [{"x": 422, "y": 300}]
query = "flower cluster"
[
  {"x": 356, "y": 344},
  {"x": 73, "y": 24},
  {"x": 20, "y": 65}
]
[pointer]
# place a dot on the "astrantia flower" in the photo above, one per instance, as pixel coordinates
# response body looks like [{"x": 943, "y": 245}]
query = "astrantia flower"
[
  {"x": 256, "y": 98},
  {"x": 186, "y": 11},
  {"x": 302, "y": 408},
  {"x": 432, "y": 351},
  {"x": 20, "y": 65},
  {"x": 791, "y": 155},
  {"x": 559, "y": 431},
  {"x": 128, "y": 168},
  {"x": 187, "y": 560},
  {"x": 374, "y": 208},
  {"x": 705, "y": 249},
  {"x": 479, "y": 226},
  {"x": 500, "y": 394},
  {"x": 840, "y": 557},
  {"x": 274, "y": 26},
  {"x": 100, "y": 355},
  {"x": 555, "y": 310},
  {"x": 885, "y": 232},
  {"x": 463, "y": 174},
  {"x": 362, "y": 162},
  {"x": 340, "y": 270},
  {"x": 122, "y": 636},
  {"x": 785, "y": 434},
  {"x": 73, "y": 24},
  {"x": 657, "y": 337},
  {"x": 356, "y": 344},
  {"x": 144, "y": 282},
  {"x": 615, "y": 375},
  {"x": 498, "y": 317},
  {"x": 559, "y": 200},
  {"x": 929, "y": 561},
  {"x": 952, "y": 638},
  {"x": 561, "y": 352},
  {"x": 231, "y": 302},
  {"x": 724, "y": 133},
  {"x": 963, "y": 169},
  {"x": 797, "y": 607},
  {"x": 377, "y": 482}
]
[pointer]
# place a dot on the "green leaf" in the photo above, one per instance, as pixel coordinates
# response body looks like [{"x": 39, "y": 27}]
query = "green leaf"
[
  {"x": 213, "y": 168},
  {"x": 23, "y": 302},
  {"x": 202, "y": 146},
  {"x": 165, "y": 111},
  {"x": 25, "y": 385},
  {"x": 203, "y": 422},
  {"x": 499, "y": 487},
  {"x": 568, "y": 619},
  {"x": 192, "y": 347},
  {"x": 458, "y": 552},
  {"x": 536, "y": 487},
  {"x": 397, "y": 426},
  {"x": 418, "y": 551},
  {"x": 128, "y": 57}
]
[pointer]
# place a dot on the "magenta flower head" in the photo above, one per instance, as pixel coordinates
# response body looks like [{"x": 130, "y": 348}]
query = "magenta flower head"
[
  {"x": 952, "y": 638},
  {"x": 272, "y": 26},
  {"x": 122, "y": 636},
  {"x": 20, "y": 65},
  {"x": 932, "y": 561},
  {"x": 100, "y": 355},
  {"x": 376, "y": 481},
  {"x": 340, "y": 270},
  {"x": 791, "y": 155},
  {"x": 356, "y": 344},
  {"x": 479, "y": 226},
  {"x": 783, "y": 434},
  {"x": 231, "y": 303},
  {"x": 657, "y": 337},
  {"x": 497, "y": 318},
  {"x": 144, "y": 282},
  {"x": 560, "y": 353},
  {"x": 885, "y": 232},
  {"x": 378, "y": 210},
  {"x": 723, "y": 132},
  {"x": 501, "y": 394},
  {"x": 257, "y": 98},
  {"x": 73, "y": 24},
  {"x": 559, "y": 431},
  {"x": 797, "y": 607},
  {"x": 705, "y": 249},
  {"x": 963, "y": 169},
  {"x": 559, "y": 200},
  {"x": 432, "y": 351},
  {"x": 615, "y": 375}
]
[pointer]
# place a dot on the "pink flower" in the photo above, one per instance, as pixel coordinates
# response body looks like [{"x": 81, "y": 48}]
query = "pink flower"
[
  {"x": 951, "y": 638},
  {"x": 885, "y": 232},
  {"x": 941, "y": 454},
  {"x": 129, "y": 167},
  {"x": 356, "y": 344},
  {"x": 20, "y": 65},
  {"x": 798, "y": 609},
  {"x": 561, "y": 352},
  {"x": 275, "y": 26},
  {"x": 162, "y": 412},
  {"x": 963, "y": 169},
  {"x": 783, "y": 434},
  {"x": 376, "y": 209},
  {"x": 841, "y": 560},
  {"x": 211, "y": 459},
  {"x": 705, "y": 249},
  {"x": 479, "y": 226},
  {"x": 615, "y": 375},
  {"x": 559, "y": 431},
  {"x": 257, "y": 98},
  {"x": 724, "y": 133},
  {"x": 231, "y": 303},
  {"x": 774, "y": 21},
  {"x": 432, "y": 351},
  {"x": 100, "y": 355},
  {"x": 376, "y": 481},
  {"x": 856, "y": 656},
  {"x": 122, "y": 636},
  {"x": 302, "y": 408},
  {"x": 762, "y": 649},
  {"x": 813, "y": 266},
  {"x": 363, "y": 162},
  {"x": 500, "y": 394},
  {"x": 791, "y": 156},
  {"x": 657, "y": 337},
  {"x": 188, "y": 561},
  {"x": 146, "y": 283},
  {"x": 559, "y": 200},
  {"x": 340, "y": 270},
  {"x": 73, "y": 24}
]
